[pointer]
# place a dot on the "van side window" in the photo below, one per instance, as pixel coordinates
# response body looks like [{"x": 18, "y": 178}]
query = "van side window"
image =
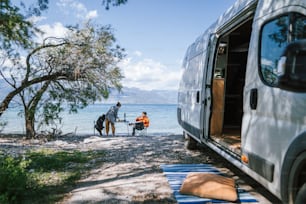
[
  {"x": 275, "y": 36},
  {"x": 273, "y": 41}
]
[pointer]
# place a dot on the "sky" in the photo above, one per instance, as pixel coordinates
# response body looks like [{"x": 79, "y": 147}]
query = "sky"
[{"x": 154, "y": 33}]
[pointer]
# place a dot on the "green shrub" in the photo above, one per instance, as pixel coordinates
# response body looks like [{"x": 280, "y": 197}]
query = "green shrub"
[
  {"x": 42, "y": 176},
  {"x": 13, "y": 179},
  {"x": 48, "y": 160}
]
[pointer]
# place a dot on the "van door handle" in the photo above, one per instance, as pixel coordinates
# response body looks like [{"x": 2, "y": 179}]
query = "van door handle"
[
  {"x": 253, "y": 99},
  {"x": 198, "y": 96}
]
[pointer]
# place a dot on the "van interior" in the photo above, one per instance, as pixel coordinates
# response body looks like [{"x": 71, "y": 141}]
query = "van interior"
[{"x": 227, "y": 86}]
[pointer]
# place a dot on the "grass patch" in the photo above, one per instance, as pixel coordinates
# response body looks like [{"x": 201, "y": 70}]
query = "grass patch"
[{"x": 43, "y": 176}]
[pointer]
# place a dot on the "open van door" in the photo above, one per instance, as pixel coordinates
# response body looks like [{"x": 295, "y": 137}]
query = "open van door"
[
  {"x": 207, "y": 91},
  {"x": 225, "y": 78}
]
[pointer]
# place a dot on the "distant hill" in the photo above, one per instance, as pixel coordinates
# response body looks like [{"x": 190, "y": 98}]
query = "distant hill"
[
  {"x": 127, "y": 95},
  {"x": 138, "y": 96}
]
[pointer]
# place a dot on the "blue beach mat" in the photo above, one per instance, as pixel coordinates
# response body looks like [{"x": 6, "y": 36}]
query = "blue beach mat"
[{"x": 176, "y": 174}]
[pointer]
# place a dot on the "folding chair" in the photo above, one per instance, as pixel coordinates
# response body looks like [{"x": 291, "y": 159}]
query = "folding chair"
[{"x": 140, "y": 129}]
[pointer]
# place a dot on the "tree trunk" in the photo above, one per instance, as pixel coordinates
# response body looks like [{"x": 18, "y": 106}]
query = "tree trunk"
[
  {"x": 29, "y": 124},
  {"x": 30, "y": 110}
]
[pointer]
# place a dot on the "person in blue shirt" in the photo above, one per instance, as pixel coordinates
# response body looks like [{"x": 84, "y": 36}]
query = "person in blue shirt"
[{"x": 110, "y": 118}]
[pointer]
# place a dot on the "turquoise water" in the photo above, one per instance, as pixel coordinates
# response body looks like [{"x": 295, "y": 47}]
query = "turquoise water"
[{"x": 163, "y": 119}]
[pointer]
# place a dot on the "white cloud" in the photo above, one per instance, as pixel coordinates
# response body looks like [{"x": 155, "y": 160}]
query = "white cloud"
[
  {"x": 77, "y": 6},
  {"x": 267, "y": 62},
  {"x": 148, "y": 74},
  {"x": 92, "y": 14},
  {"x": 36, "y": 19},
  {"x": 77, "y": 9},
  {"x": 57, "y": 30},
  {"x": 138, "y": 53}
]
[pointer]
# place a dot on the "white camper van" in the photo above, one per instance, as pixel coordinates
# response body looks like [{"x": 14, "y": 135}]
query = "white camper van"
[{"x": 243, "y": 93}]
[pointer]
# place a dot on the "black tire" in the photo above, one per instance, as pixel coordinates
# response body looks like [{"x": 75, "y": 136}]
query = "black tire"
[
  {"x": 301, "y": 196},
  {"x": 297, "y": 182},
  {"x": 190, "y": 143},
  {"x": 185, "y": 135}
]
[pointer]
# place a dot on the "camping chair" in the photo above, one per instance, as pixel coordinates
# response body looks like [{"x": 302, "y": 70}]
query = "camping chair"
[{"x": 140, "y": 129}]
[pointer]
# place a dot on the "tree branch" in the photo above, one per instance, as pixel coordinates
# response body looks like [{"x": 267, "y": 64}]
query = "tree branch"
[
  {"x": 4, "y": 104},
  {"x": 28, "y": 65}
]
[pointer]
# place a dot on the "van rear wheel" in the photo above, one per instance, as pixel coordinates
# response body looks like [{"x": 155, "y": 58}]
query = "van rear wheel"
[
  {"x": 297, "y": 180},
  {"x": 301, "y": 196},
  {"x": 190, "y": 143}
]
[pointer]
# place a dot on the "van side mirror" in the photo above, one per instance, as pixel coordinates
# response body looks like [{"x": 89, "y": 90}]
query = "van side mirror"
[{"x": 291, "y": 69}]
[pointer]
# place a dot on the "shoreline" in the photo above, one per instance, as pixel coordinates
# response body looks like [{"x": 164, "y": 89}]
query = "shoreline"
[
  {"x": 163, "y": 120},
  {"x": 93, "y": 133}
]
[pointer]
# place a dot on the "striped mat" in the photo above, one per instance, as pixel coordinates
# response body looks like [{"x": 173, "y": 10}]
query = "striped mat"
[{"x": 176, "y": 173}]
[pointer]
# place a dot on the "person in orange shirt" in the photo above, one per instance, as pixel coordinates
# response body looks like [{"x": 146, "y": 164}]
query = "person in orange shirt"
[{"x": 141, "y": 122}]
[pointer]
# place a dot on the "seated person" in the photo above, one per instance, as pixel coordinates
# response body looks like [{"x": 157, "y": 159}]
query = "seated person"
[{"x": 141, "y": 122}]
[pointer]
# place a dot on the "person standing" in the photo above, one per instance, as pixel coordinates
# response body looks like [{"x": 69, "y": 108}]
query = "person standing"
[{"x": 110, "y": 118}]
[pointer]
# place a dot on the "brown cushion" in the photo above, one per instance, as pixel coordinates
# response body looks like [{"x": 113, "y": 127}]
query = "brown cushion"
[{"x": 207, "y": 185}]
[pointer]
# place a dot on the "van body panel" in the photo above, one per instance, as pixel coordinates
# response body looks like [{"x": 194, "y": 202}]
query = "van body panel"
[
  {"x": 268, "y": 7},
  {"x": 189, "y": 96},
  {"x": 272, "y": 130},
  {"x": 280, "y": 115},
  {"x": 238, "y": 12}
]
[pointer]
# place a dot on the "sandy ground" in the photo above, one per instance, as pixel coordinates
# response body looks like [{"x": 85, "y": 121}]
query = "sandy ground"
[{"x": 131, "y": 171}]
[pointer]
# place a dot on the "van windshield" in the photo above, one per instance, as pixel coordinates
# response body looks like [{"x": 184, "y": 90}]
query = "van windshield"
[{"x": 275, "y": 36}]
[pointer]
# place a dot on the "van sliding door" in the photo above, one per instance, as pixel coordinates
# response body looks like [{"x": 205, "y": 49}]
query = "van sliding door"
[
  {"x": 206, "y": 105},
  {"x": 228, "y": 80}
]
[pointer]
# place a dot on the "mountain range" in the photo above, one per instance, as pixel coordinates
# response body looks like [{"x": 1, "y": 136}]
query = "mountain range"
[
  {"x": 126, "y": 95},
  {"x": 139, "y": 96}
]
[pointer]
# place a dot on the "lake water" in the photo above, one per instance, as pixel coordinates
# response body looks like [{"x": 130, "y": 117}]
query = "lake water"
[{"x": 163, "y": 119}]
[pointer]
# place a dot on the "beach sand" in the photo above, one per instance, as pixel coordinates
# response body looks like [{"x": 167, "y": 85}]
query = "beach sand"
[{"x": 130, "y": 172}]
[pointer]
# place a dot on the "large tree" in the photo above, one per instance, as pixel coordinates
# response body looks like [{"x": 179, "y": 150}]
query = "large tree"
[
  {"x": 17, "y": 31},
  {"x": 77, "y": 69}
]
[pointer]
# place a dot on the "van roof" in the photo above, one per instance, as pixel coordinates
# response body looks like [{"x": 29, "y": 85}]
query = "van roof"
[{"x": 200, "y": 44}]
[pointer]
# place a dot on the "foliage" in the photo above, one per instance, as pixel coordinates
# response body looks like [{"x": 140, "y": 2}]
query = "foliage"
[
  {"x": 107, "y": 3},
  {"x": 48, "y": 160},
  {"x": 15, "y": 27},
  {"x": 42, "y": 176},
  {"x": 13, "y": 179}
]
